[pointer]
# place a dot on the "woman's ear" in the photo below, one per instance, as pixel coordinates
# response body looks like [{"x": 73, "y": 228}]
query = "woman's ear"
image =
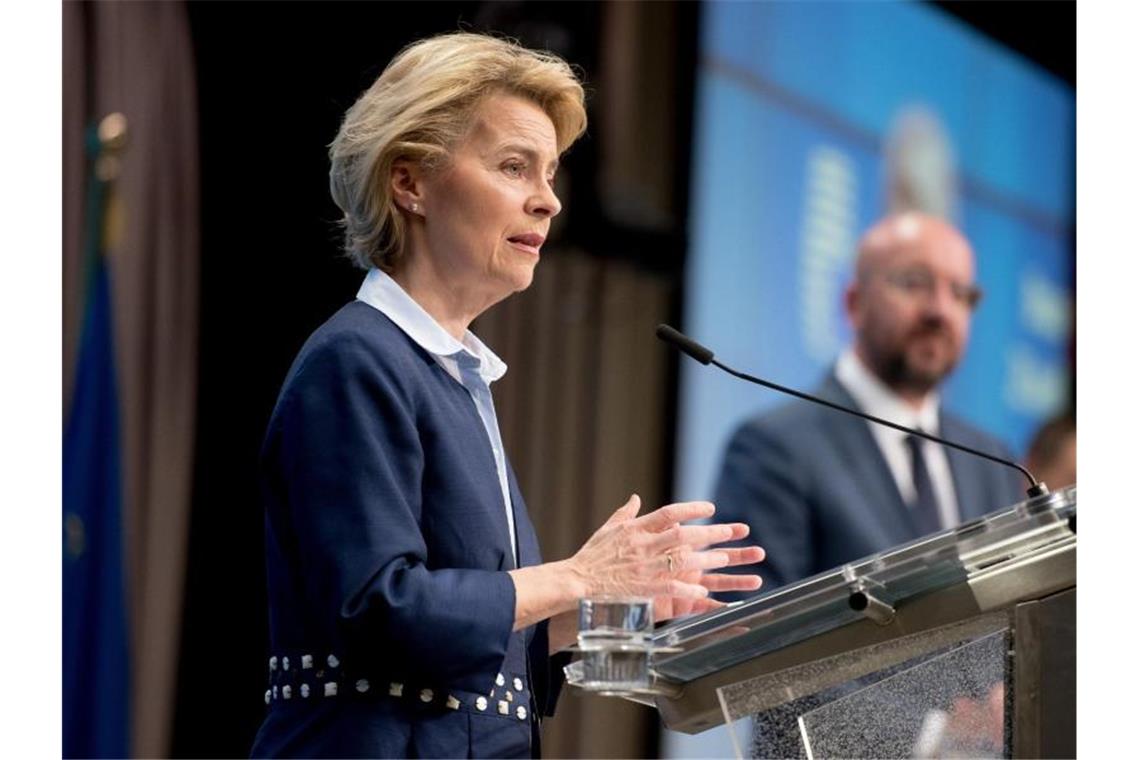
[{"x": 407, "y": 185}]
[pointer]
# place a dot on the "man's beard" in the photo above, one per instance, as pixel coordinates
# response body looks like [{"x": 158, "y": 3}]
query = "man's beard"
[{"x": 898, "y": 371}]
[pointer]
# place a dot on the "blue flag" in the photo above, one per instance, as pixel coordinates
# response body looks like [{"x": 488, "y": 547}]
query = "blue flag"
[{"x": 96, "y": 668}]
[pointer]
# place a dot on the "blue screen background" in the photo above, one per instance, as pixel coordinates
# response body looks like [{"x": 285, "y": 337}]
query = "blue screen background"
[{"x": 793, "y": 107}]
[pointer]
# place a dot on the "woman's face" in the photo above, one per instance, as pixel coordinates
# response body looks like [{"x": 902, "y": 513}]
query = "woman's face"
[{"x": 487, "y": 213}]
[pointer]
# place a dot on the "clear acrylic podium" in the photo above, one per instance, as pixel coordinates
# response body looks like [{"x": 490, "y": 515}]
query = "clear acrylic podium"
[{"x": 959, "y": 644}]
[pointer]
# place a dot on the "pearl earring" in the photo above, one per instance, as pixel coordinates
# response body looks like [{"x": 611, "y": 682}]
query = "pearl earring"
[{"x": 415, "y": 208}]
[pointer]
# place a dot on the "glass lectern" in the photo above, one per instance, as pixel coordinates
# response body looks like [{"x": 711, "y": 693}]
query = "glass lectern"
[{"x": 959, "y": 644}]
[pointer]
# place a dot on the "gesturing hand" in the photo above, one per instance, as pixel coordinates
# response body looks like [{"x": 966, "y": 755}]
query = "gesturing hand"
[{"x": 656, "y": 555}]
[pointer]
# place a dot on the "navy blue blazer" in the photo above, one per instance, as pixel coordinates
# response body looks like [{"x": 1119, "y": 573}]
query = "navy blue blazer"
[
  {"x": 817, "y": 492},
  {"x": 390, "y": 608}
]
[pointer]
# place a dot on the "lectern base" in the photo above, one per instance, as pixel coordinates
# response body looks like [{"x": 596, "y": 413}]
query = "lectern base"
[{"x": 1004, "y": 688}]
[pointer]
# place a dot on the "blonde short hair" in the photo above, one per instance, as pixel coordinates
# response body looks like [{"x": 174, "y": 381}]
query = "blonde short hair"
[{"x": 418, "y": 109}]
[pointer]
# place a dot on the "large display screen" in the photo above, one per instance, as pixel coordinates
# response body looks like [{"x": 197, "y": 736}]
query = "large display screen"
[{"x": 812, "y": 119}]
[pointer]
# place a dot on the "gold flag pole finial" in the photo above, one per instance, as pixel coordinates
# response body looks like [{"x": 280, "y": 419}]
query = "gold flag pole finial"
[
  {"x": 113, "y": 131},
  {"x": 112, "y": 140},
  {"x": 112, "y": 135}
]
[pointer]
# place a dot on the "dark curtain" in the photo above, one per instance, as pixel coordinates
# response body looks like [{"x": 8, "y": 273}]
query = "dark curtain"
[{"x": 136, "y": 59}]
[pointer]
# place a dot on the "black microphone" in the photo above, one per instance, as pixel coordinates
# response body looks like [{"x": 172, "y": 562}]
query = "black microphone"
[
  {"x": 684, "y": 343},
  {"x": 689, "y": 346}
]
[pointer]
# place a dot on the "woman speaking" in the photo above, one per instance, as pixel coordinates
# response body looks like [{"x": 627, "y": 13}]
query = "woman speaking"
[{"x": 410, "y": 612}]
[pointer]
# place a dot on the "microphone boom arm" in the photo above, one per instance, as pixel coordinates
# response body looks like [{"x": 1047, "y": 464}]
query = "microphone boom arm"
[
  {"x": 695, "y": 350},
  {"x": 1033, "y": 482}
]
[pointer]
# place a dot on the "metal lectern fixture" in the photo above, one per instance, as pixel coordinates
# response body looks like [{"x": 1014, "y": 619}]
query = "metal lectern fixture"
[{"x": 984, "y": 611}]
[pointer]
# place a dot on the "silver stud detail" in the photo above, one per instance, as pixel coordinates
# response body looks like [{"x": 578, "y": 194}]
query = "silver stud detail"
[
  {"x": 306, "y": 661},
  {"x": 284, "y": 663},
  {"x": 452, "y": 702},
  {"x": 510, "y": 696},
  {"x": 396, "y": 689},
  {"x": 304, "y": 690},
  {"x": 275, "y": 692},
  {"x": 499, "y": 680},
  {"x": 521, "y": 712},
  {"x": 504, "y": 708},
  {"x": 426, "y": 695},
  {"x": 480, "y": 703},
  {"x": 362, "y": 685},
  {"x": 287, "y": 692},
  {"x": 518, "y": 684},
  {"x": 268, "y": 696},
  {"x": 330, "y": 689},
  {"x": 273, "y": 663},
  {"x": 333, "y": 661}
]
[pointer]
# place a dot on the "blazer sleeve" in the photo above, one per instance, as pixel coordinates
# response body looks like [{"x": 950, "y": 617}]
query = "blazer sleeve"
[
  {"x": 345, "y": 459},
  {"x": 763, "y": 485}
]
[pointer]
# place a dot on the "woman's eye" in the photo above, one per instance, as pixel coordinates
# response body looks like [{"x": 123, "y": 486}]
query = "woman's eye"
[{"x": 515, "y": 168}]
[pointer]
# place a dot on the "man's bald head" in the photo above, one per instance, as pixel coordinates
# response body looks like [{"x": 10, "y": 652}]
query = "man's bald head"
[
  {"x": 911, "y": 301},
  {"x": 882, "y": 242}
]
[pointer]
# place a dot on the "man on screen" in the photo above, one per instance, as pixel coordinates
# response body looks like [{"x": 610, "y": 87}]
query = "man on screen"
[{"x": 819, "y": 487}]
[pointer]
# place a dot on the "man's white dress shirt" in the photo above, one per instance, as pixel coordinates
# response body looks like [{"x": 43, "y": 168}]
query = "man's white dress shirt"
[{"x": 875, "y": 398}]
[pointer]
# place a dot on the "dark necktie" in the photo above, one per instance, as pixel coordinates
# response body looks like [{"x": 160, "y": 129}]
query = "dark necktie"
[{"x": 925, "y": 506}]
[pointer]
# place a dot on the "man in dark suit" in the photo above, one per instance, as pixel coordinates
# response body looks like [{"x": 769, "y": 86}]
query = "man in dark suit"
[{"x": 819, "y": 487}]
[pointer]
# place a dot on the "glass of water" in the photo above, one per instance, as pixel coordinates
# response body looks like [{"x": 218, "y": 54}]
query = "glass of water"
[{"x": 614, "y": 638}]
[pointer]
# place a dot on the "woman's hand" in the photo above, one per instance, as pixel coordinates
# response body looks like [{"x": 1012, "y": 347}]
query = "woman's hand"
[{"x": 656, "y": 555}]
